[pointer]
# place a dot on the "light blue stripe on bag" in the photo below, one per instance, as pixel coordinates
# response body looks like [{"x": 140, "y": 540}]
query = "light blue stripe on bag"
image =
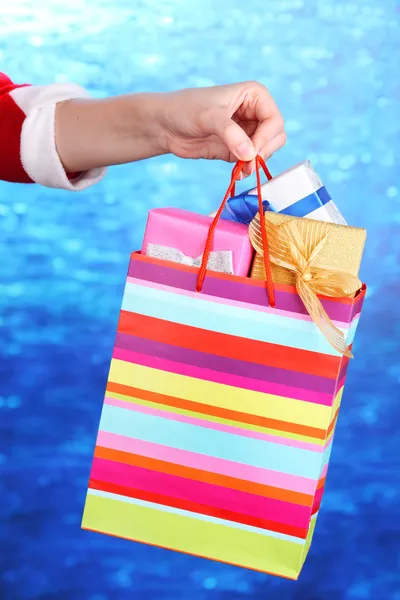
[
  {"x": 232, "y": 320},
  {"x": 200, "y": 440}
]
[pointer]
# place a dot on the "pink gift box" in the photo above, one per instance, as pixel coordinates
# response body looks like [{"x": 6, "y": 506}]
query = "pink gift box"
[{"x": 180, "y": 235}]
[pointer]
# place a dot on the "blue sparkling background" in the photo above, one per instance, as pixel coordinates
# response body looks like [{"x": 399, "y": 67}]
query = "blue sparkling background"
[{"x": 333, "y": 68}]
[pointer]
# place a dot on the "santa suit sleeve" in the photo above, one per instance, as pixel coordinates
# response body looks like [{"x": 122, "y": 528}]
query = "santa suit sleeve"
[{"x": 28, "y": 151}]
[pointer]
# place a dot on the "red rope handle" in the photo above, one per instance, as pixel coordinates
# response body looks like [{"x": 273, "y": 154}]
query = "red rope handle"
[
  {"x": 230, "y": 192},
  {"x": 233, "y": 180},
  {"x": 267, "y": 265},
  {"x": 234, "y": 170}
]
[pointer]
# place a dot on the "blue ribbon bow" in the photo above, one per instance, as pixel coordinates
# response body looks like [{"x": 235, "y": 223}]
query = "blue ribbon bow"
[{"x": 244, "y": 207}]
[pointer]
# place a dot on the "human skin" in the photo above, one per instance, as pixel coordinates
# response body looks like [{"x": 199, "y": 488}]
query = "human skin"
[{"x": 228, "y": 122}]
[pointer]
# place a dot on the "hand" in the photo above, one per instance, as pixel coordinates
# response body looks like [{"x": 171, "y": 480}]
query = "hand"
[{"x": 227, "y": 122}]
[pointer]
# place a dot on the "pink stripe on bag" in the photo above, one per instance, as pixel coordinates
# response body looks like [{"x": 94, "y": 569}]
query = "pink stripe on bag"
[
  {"x": 207, "y": 463},
  {"x": 207, "y": 494},
  {"x": 203, "y": 423}
]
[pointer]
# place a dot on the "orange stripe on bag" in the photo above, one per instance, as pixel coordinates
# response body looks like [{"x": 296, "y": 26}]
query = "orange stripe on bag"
[
  {"x": 232, "y": 415},
  {"x": 233, "y": 483}
]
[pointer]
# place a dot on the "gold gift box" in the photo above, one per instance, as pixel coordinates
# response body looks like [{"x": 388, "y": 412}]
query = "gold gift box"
[{"x": 342, "y": 252}]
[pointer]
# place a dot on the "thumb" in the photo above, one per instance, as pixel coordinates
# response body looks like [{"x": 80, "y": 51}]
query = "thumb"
[{"x": 236, "y": 140}]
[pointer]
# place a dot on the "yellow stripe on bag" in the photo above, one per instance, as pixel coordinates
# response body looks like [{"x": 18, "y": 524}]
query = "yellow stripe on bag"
[
  {"x": 309, "y": 539},
  {"x": 223, "y": 396},
  {"x": 337, "y": 401},
  {"x": 214, "y": 419},
  {"x": 194, "y": 536}
]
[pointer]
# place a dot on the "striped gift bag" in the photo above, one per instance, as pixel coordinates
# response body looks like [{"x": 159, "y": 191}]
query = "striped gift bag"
[{"x": 218, "y": 419}]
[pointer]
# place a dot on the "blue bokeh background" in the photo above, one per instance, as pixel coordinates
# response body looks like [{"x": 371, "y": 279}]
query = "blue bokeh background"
[{"x": 333, "y": 68}]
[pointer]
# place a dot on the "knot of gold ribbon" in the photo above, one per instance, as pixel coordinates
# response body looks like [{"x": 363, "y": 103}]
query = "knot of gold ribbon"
[{"x": 298, "y": 252}]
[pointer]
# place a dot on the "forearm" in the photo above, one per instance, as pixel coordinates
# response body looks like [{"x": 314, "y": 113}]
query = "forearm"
[
  {"x": 55, "y": 135},
  {"x": 98, "y": 133}
]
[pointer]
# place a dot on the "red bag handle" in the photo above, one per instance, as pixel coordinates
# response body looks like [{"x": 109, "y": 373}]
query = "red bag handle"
[{"x": 237, "y": 169}]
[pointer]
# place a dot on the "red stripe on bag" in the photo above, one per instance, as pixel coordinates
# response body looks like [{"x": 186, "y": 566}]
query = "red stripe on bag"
[
  {"x": 226, "y": 481},
  {"x": 195, "y": 507},
  {"x": 230, "y": 346}
]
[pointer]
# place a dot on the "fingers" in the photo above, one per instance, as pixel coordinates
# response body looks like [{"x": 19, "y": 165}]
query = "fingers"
[
  {"x": 235, "y": 139},
  {"x": 266, "y": 152},
  {"x": 266, "y": 133},
  {"x": 246, "y": 121},
  {"x": 248, "y": 168},
  {"x": 276, "y": 144},
  {"x": 232, "y": 135}
]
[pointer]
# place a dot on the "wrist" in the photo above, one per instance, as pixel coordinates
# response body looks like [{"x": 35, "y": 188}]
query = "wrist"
[{"x": 140, "y": 125}]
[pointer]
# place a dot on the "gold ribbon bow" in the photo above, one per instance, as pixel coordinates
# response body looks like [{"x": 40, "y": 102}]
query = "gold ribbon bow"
[{"x": 298, "y": 252}]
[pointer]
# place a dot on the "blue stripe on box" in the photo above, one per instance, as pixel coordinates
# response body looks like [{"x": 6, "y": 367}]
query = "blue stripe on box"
[{"x": 307, "y": 205}]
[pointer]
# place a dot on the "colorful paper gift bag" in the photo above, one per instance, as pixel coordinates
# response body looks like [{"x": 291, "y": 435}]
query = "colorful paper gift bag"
[{"x": 217, "y": 424}]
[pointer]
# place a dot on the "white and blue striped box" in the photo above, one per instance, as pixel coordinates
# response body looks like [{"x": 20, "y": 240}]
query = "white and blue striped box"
[{"x": 300, "y": 192}]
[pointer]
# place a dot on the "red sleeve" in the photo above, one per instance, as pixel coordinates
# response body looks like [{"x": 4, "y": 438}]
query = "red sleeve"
[
  {"x": 28, "y": 151},
  {"x": 11, "y": 121}
]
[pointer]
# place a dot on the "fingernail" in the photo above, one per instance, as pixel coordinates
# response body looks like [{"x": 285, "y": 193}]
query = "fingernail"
[{"x": 246, "y": 151}]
